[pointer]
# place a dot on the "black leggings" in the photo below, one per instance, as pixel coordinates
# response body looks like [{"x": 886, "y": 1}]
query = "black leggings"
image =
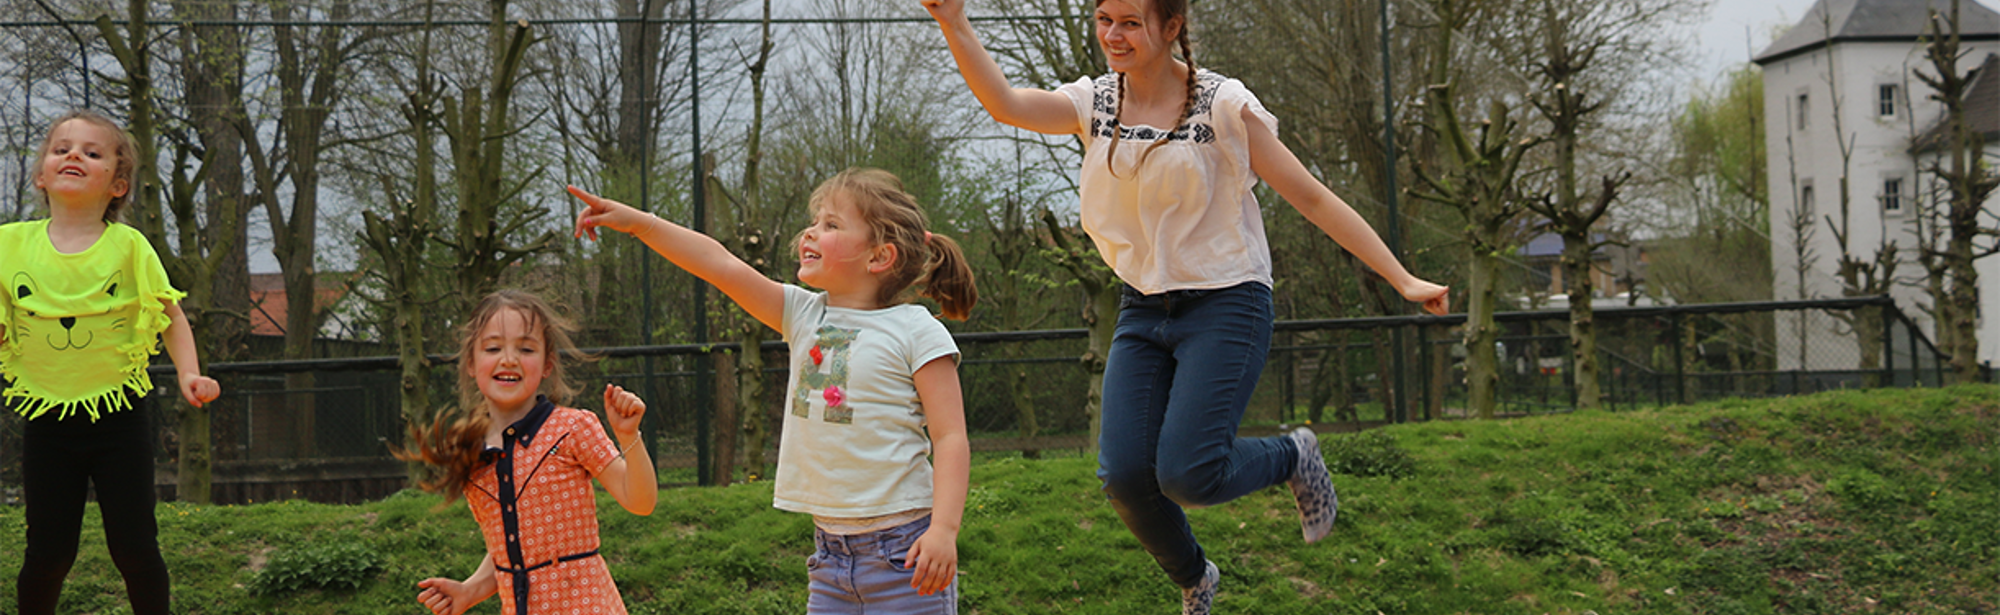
[{"x": 59, "y": 460}]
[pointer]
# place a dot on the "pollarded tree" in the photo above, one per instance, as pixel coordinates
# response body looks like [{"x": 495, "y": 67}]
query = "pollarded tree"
[
  {"x": 1482, "y": 182},
  {"x": 1959, "y": 163},
  {"x": 479, "y": 124},
  {"x": 402, "y": 240},
  {"x": 1584, "y": 54},
  {"x": 309, "y": 67},
  {"x": 194, "y": 257},
  {"x": 1477, "y": 176},
  {"x": 1046, "y": 54}
]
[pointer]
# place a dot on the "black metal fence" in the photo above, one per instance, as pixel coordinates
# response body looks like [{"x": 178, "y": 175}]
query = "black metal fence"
[{"x": 277, "y": 434}]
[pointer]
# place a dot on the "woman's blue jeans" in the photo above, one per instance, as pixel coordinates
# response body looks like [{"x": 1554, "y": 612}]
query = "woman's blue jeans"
[{"x": 1181, "y": 370}]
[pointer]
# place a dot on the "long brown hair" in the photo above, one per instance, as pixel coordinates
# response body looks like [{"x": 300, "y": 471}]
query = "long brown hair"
[
  {"x": 931, "y": 262},
  {"x": 453, "y": 442},
  {"x": 1166, "y": 11},
  {"x": 126, "y": 149}
]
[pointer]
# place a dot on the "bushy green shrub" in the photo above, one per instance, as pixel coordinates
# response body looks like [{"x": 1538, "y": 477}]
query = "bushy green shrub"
[
  {"x": 325, "y": 564},
  {"x": 1367, "y": 453}
]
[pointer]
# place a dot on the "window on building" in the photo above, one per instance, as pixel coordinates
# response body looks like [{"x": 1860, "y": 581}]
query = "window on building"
[
  {"x": 1892, "y": 195},
  {"x": 1806, "y": 197},
  {"x": 1803, "y": 109},
  {"x": 1885, "y": 100}
]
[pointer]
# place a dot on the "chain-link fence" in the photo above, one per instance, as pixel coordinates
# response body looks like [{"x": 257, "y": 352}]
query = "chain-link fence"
[{"x": 321, "y": 429}]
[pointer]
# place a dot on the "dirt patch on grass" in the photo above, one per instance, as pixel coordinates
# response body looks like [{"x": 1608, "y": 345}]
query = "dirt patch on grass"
[
  {"x": 682, "y": 530},
  {"x": 260, "y": 558},
  {"x": 1777, "y": 509}
]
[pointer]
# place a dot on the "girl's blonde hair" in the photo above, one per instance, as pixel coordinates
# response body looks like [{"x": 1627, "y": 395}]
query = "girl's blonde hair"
[
  {"x": 933, "y": 263},
  {"x": 455, "y": 439},
  {"x": 125, "y": 148},
  {"x": 1166, "y": 11}
]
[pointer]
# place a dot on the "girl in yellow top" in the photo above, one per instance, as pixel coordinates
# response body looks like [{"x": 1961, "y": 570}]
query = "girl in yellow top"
[{"x": 85, "y": 304}]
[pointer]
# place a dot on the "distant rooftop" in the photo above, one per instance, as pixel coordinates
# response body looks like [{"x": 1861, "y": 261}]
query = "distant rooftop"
[
  {"x": 1982, "y": 110},
  {"x": 1875, "y": 21}
]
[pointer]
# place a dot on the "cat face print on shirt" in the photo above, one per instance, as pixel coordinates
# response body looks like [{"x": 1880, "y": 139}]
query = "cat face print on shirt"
[{"x": 63, "y": 323}]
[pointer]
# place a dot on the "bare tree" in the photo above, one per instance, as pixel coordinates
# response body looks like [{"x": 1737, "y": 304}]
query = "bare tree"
[
  {"x": 1479, "y": 177},
  {"x": 1047, "y": 54},
  {"x": 1962, "y": 167},
  {"x": 750, "y": 235},
  {"x": 1860, "y": 276},
  {"x": 402, "y": 240},
  {"x": 1587, "y": 52},
  {"x": 193, "y": 257},
  {"x": 479, "y": 124},
  {"x": 309, "y": 67}
]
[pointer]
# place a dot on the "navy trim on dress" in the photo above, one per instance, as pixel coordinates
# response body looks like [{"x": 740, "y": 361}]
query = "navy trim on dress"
[{"x": 520, "y": 435}]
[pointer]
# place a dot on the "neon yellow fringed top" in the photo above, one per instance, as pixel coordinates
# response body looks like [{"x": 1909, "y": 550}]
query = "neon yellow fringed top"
[{"x": 80, "y": 328}]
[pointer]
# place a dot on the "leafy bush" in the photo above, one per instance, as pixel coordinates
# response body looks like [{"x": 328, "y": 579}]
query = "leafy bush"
[
  {"x": 1866, "y": 492},
  {"x": 343, "y": 564},
  {"x": 1367, "y": 453}
]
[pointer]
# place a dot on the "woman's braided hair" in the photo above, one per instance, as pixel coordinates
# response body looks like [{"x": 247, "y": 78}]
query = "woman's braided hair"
[{"x": 1165, "y": 11}]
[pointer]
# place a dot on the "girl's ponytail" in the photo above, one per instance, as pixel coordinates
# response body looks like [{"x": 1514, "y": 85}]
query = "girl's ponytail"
[
  {"x": 948, "y": 278},
  {"x": 932, "y": 264},
  {"x": 451, "y": 446}
]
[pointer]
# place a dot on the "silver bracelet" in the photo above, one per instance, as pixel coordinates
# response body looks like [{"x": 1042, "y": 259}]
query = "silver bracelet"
[{"x": 636, "y": 439}]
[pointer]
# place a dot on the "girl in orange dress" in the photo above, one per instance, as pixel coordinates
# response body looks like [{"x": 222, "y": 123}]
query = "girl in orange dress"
[{"x": 524, "y": 463}]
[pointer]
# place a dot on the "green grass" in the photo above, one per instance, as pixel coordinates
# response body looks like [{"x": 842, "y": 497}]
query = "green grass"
[{"x": 1880, "y": 501}]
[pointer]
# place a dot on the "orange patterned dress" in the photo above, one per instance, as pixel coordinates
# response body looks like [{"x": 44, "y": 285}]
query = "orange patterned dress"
[{"x": 538, "y": 514}]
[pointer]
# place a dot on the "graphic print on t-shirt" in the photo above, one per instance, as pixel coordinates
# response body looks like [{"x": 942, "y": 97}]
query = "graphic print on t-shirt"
[
  {"x": 61, "y": 324},
  {"x": 824, "y": 369}
]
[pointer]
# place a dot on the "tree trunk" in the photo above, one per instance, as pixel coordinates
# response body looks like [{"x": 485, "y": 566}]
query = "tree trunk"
[
  {"x": 1482, "y": 374},
  {"x": 1102, "y": 308},
  {"x": 750, "y": 398},
  {"x": 722, "y": 470},
  {"x": 1022, "y": 397},
  {"x": 212, "y": 61},
  {"x": 1577, "y": 268}
]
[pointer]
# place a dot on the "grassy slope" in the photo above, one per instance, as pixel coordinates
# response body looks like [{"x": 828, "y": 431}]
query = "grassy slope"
[{"x": 1880, "y": 501}]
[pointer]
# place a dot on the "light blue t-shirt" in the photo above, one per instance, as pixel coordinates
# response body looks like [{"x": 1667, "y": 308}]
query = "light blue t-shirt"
[{"x": 854, "y": 443}]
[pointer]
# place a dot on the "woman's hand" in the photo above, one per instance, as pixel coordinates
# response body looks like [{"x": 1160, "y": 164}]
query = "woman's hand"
[
  {"x": 935, "y": 559},
  {"x": 946, "y": 12},
  {"x": 198, "y": 390},
  {"x": 1436, "y": 299},
  {"x": 622, "y": 411},
  {"x": 606, "y": 213}
]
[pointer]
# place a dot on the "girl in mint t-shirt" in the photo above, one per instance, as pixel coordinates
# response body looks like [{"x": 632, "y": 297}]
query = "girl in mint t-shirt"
[
  {"x": 874, "y": 389},
  {"x": 85, "y": 306}
]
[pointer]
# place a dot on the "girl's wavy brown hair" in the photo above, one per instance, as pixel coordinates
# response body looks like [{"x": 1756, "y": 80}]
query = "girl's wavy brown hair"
[
  {"x": 454, "y": 441},
  {"x": 126, "y": 149},
  {"x": 932, "y": 263}
]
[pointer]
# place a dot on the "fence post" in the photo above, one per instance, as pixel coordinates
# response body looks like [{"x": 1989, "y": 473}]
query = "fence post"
[
  {"x": 1291, "y": 375},
  {"x": 1889, "y": 345},
  {"x": 1401, "y": 398},
  {"x": 1680, "y": 364},
  {"x": 1424, "y": 367}
]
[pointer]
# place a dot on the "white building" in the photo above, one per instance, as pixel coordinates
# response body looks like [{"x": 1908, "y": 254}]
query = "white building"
[{"x": 1869, "y": 50}]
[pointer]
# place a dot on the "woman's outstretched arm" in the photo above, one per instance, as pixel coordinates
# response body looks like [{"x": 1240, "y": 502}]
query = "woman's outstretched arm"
[
  {"x": 1277, "y": 166},
  {"x": 1033, "y": 109}
]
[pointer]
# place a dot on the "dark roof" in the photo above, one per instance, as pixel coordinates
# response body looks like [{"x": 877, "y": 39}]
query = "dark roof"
[
  {"x": 1551, "y": 244},
  {"x": 1878, "y": 21},
  {"x": 1982, "y": 109}
]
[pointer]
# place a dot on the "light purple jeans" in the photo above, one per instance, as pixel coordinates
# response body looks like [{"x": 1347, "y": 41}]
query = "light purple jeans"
[{"x": 863, "y": 574}]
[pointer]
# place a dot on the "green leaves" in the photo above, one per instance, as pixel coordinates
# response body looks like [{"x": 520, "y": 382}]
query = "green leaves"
[{"x": 320, "y": 564}]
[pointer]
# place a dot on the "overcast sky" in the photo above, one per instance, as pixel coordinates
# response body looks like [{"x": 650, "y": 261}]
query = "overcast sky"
[{"x": 1722, "y": 40}]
